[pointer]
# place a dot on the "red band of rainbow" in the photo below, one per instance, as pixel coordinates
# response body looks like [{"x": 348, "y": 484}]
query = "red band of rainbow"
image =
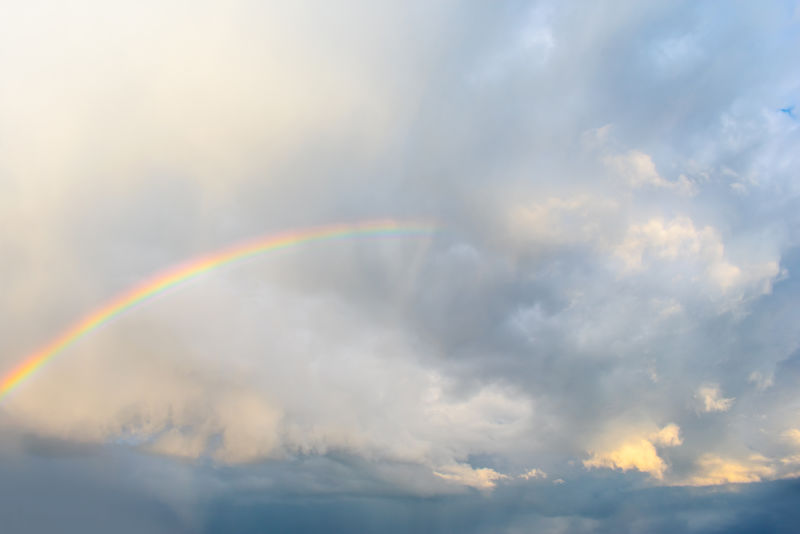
[{"x": 186, "y": 271}]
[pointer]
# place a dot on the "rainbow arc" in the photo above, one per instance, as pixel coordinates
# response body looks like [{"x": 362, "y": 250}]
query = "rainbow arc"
[{"x": 191, "y": 269}]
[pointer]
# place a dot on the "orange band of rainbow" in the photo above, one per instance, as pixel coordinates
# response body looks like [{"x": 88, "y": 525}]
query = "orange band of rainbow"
[{"x": 186, "y": 271}]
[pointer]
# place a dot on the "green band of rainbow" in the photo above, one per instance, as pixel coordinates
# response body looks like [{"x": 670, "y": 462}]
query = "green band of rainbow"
[{"x": 186, "y": 271}]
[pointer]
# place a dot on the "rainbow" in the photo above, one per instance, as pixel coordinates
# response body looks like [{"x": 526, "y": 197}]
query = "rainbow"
[{"x": 191, "y": 269}]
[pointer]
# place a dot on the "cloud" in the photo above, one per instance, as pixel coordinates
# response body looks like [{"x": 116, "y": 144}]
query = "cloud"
[
  {"x": 793, "y": 435},
  {"x": 760, "y": 380},
  {"x": 711, "y": 400},
  {"x": 669, "y": 436},
  {"x": 618, "y": 250},
  {"x": 559, "y": 223},
  {"x": 481, "y": 478},
  {"x": 533, "y": 473},
  {"x": 679, "y": 240},
  {"x": 638, "y": 170},
  {"x": 714, "y": 470},
  {"x": 711, "y": 469},
  {"x": 638, "y": 453},
  {"x": 244, "y": 411}
]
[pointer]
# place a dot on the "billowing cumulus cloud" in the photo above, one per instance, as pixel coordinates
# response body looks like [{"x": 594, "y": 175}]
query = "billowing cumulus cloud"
[
  {"x": 608, "y": 308},
  {"x": 638, "y": 452}
]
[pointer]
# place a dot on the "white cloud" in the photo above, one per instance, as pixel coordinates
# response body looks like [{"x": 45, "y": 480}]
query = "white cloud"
[
  {"x": 533, "y": 473},
  {"x": 696, "y": 254},
  {"x": 669, "y": 436},
  {"x": 638, "y": 170},
  {"x": 670, "y": 240},
  {"x": 711, "y": 399}
]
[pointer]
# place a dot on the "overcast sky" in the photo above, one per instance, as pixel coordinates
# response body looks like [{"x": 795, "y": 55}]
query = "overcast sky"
[{"x": 601, "y": 335}]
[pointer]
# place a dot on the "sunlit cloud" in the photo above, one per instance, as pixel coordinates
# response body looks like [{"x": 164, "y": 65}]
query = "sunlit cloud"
[
  {"x": 714, "y": 470},
  {"x": 638, "y": 453}
]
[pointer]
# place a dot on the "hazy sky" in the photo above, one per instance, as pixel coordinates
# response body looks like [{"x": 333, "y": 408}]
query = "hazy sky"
[{"x": 601, "y": 336}]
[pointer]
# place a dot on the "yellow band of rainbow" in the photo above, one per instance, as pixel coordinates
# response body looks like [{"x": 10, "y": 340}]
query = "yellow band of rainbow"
[{"x": 186, "y": 271}]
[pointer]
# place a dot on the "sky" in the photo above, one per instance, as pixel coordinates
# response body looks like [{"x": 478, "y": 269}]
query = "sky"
[{"x": 599, "y": 336}]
